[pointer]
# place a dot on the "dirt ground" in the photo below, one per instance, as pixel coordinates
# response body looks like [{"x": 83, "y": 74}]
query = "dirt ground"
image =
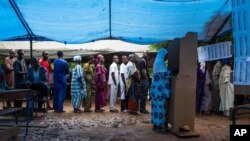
[{"x": 108, "y": 126}]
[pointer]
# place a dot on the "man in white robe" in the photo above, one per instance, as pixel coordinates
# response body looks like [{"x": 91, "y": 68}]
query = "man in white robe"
[{"x": 226, "y": 89}]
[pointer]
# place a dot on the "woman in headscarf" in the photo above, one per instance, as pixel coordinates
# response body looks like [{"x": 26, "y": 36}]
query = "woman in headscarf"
[
  {"x": 89, "y": 70},
  {"x": 226, "y": 89},
  {"x": 132, "y": 85},
  {"x": 78, "y": 85},
  {"x": 101, "y": 84},
  {"x": 199, "y": 85},
  {"x": 159, "y": 91}
]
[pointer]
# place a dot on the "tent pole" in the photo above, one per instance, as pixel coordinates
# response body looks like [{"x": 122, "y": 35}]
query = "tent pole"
[
  {"x": 110, "y": 19},
  {"x": 24, "y": 23},
  {"x": 20, "y": 16}
]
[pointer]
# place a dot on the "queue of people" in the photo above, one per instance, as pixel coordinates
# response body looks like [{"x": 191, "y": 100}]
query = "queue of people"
[
  {"x": 96, "y": 84},
  {"x": 88, "y": 82},
  {"x": 214, "y": 91}
]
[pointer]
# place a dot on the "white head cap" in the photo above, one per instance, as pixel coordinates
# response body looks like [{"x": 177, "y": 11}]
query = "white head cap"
[{"x": 77, "y": 58}]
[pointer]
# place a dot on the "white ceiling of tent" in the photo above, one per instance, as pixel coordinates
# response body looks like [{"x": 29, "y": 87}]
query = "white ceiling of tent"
[{"x": 106, "y": 45}]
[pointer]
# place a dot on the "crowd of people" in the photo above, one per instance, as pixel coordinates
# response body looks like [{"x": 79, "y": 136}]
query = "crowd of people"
[
  {"x": 93, "y": 82},
  {"x": 214, "y": 90},
  {"x": 88, "y": 81}
]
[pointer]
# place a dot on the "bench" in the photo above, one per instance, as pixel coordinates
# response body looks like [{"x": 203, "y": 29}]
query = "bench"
[
  {"x": 11, "y": 95},
  {"x": 11, "y": 111},
  {"x": 13, "y": 131}
]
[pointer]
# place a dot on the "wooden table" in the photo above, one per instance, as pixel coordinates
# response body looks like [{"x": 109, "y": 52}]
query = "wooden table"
[{"x": 11, "y": 95}]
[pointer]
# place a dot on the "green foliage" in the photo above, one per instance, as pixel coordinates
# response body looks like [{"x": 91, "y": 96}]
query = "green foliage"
[
  {"x": 52, "y": 67},
  {"x": 71, "y": 66},
  {"x": 156, "y": 47},
  {"x": 226, "y": 37},
  {"x": 150, "y": 72},
  {"x": 1, "y": 60}
]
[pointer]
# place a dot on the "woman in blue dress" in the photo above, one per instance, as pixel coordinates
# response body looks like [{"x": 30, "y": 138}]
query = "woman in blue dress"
[
  {"x": 159, "y": 91},
  {"x": 78, "y": 85}
]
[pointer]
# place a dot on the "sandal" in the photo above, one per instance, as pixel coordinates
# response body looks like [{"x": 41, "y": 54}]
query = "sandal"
[
  {"x": 98, "y": 110},
  {"x": 77, "y": 111}
]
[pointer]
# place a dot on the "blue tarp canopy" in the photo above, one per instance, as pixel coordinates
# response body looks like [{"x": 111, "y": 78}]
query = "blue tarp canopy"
[{"x": 135, "y": 21}]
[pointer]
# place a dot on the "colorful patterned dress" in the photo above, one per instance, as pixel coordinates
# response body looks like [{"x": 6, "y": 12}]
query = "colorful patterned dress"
[
  {"x": 78, "y": 87},
  {"x": 159, "y": 90},
  {"x": 90, "y": 75},
  {"x": 101, "y": 86}
]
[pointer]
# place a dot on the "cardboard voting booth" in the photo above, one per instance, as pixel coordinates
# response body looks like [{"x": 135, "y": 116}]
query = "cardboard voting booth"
[{"x": 183, "y": 65}]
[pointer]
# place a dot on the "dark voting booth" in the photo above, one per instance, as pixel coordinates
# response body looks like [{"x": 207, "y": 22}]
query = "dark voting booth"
[{"x": 182, "y": 61}]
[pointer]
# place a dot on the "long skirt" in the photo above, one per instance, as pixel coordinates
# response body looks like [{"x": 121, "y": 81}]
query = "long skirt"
[
  {"x": 100, "y": 98},
  {"x": 159, "y": 92},
  {"x": 227, "y": 97},
  {"x": 87, "y": 103},
  {"x": 206, "y": 100},
  {"x": 76, "y": 99},
  {"x": 133, "y": 100},
  {"x": 158, "y": 111}
]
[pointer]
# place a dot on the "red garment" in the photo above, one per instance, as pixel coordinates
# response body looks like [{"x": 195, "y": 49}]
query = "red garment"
[{"x": 46, "y": 65}]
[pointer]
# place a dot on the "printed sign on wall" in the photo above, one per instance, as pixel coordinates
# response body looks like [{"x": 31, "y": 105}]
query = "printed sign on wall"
[{"x": 215, "y": 51}]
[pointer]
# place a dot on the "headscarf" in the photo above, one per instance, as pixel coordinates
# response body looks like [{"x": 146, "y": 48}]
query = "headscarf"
[
  {"x": 12, "y": 51},
  {"x": 203, "y": 66},
  {"x": 77, "y": 58},
  {"x": 131, "y": 67},
  {"x": 131, "y": 56},
  {"x": 159, "y": 63},
  {"x": 98, "y": 59}
]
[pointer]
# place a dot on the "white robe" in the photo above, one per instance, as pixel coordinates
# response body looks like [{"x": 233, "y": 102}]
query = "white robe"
[{"x": 226, "y": 90}]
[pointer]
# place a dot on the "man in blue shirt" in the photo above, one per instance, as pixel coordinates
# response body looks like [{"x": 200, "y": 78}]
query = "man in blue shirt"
[{"x": 61, "y": 69}]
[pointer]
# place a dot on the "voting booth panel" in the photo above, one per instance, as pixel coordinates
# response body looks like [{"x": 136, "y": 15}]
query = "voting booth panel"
[{"x": 182, "y": 62}]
